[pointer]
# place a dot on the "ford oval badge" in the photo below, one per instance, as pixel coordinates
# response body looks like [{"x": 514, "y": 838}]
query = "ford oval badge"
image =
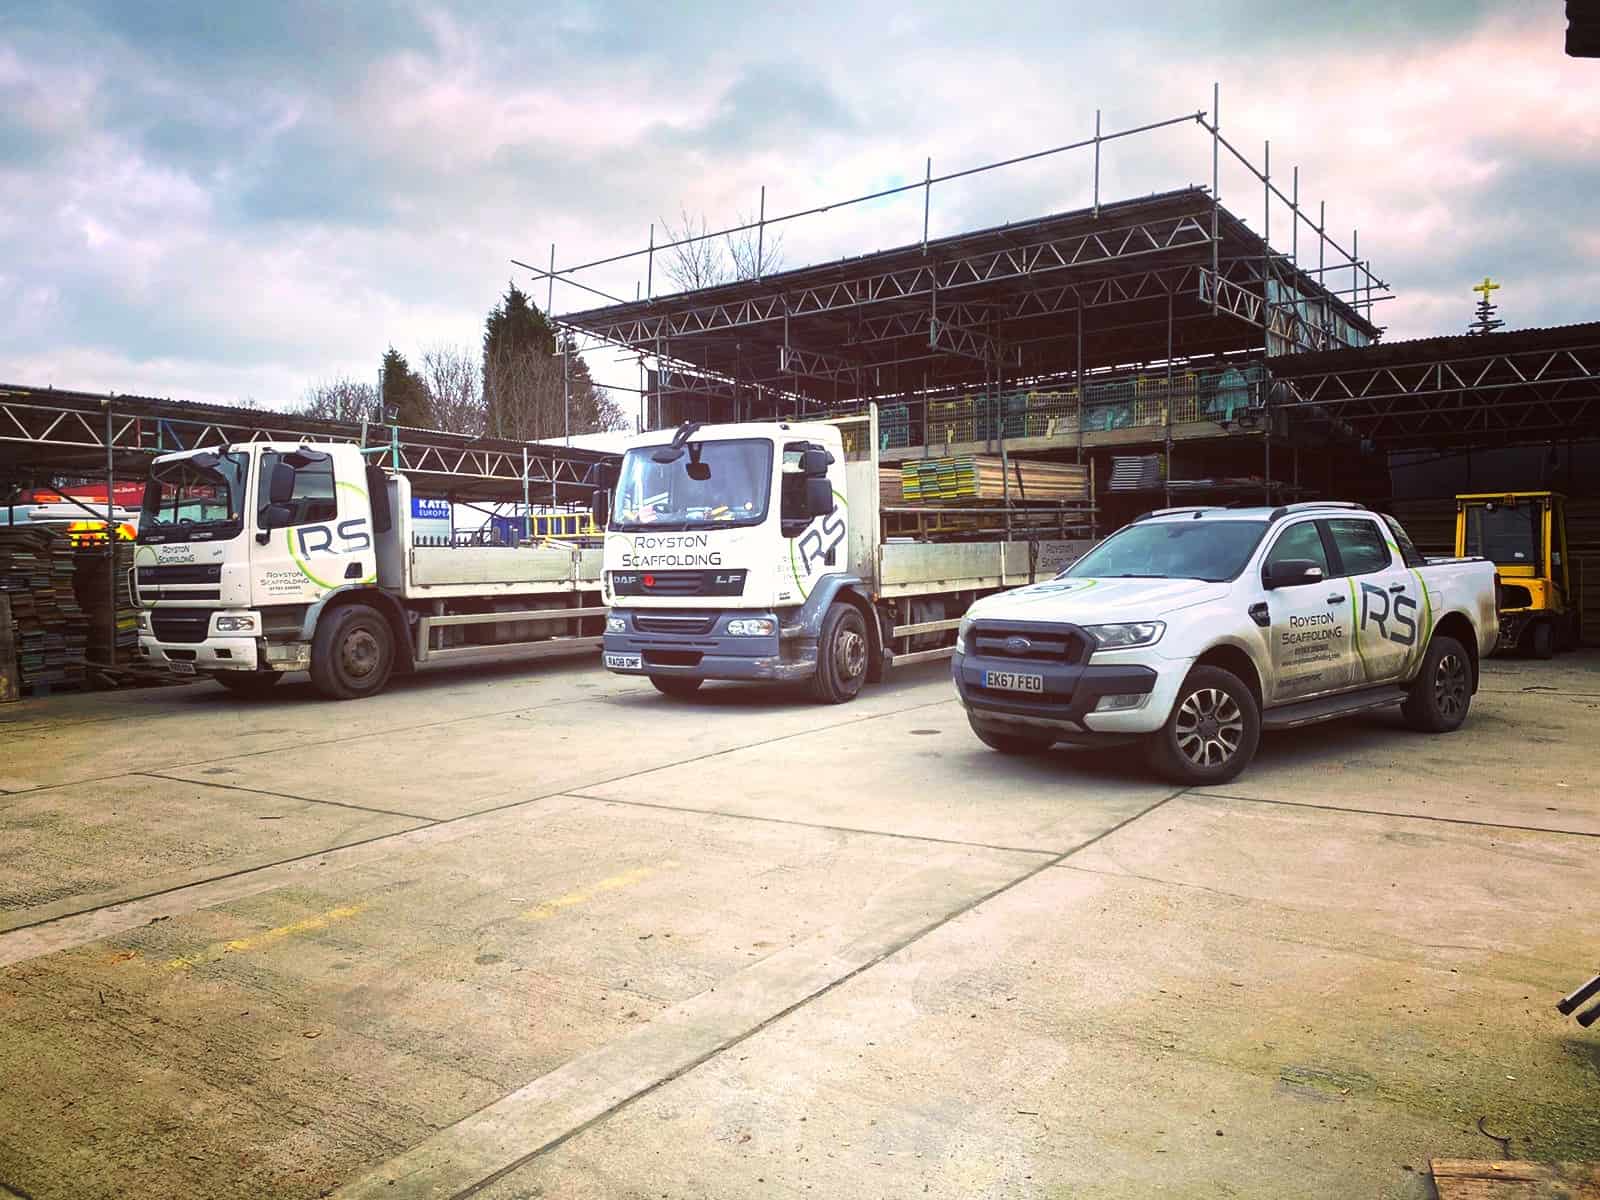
[{"x": 1018, "y": 645}]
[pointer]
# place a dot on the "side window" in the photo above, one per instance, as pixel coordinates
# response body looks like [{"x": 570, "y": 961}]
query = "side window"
[
  {"x": 312, "y": 499},
  {"x": 1361, "y": 546},
  {"x": 1408, "y": 549},
  {"x": 1300, "y": 541}
]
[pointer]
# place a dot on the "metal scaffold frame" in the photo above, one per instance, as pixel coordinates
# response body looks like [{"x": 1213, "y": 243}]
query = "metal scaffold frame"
[{"x": 1129, "y": 281}]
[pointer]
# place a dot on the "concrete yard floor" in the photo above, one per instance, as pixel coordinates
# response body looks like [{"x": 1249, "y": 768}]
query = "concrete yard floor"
[{"x": 530, "y": 930}]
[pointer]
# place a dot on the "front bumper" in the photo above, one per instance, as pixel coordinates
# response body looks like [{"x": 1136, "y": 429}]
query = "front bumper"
[
  {"x": 1072, "y": 690},
  {"x": 207, "y": 657},
  {"x": 713, "y": 654}
]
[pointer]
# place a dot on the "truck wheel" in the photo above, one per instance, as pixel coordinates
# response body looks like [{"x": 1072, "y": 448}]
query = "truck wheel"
[
  {"x": 1213, "y": 731},
  {"x": 1542, "y": 640},
  {"x": 352, "y": 654},
  {"x": 842, "y": 653},
  {"x": 679, "y": 686},
  {"x": 248, "y": 683},
  {"x": 1442, "y": 692},
  {"x": 1010, "y": 743}
]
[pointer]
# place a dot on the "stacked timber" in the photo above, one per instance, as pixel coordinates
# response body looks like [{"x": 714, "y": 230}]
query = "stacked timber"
[
  {"x": 985, "y": 478},
  {"x": 36, "y": 573},
  {"x": 95, "y": 597}
]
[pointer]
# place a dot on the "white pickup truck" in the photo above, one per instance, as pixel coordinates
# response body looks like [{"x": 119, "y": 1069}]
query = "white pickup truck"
[{"x": 1193, "y": 629}]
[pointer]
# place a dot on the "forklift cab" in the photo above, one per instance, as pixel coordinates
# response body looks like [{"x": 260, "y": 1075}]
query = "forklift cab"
[{"x": 1525, "y": 535}]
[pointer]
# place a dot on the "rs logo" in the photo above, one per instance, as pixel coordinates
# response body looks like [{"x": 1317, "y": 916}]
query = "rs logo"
[
  {"x": 818, "y": 543},
  {"x": 316, "y": 538},
  {"x": 1400, "y": 614}
]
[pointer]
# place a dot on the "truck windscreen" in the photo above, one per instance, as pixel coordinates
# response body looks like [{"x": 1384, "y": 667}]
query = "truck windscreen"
[
  {"x": 708, "y": 484},
  {"x": 195, "y": 498},
  {"x": 1186, "y": 549}
]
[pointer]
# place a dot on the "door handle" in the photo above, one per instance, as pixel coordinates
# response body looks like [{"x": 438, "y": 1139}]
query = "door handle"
[
  {"x": 1397, "y": 587},
  {"x": 1336, "y": 598}
]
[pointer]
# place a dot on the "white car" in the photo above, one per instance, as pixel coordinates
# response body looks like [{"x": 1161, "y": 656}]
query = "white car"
[{"x": 1193, "y": 629}]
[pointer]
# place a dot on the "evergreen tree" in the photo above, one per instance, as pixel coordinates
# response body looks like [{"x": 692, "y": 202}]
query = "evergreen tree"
[{"x": 404, "y": 392}]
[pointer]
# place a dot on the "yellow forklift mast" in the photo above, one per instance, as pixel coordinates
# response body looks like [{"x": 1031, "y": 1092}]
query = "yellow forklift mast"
[{"x": 1525, "y": 535}]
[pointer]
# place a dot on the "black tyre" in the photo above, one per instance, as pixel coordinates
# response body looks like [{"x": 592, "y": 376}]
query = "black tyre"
[
  {"x": 1213, "y": 731},
  {"x": 676, "y": 685},
  {"x": 842, "y": 654},
  {"x": 1442, "y": 692},
  {"x": 352, "y": 654},
  {"x": 248, "y": 683},
  {"x": 1011, "y": 743},
  {"x": 1542, "y": 640}
]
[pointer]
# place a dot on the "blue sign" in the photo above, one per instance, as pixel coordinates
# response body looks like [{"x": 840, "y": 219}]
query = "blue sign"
[{"x": 430, "y": 510}]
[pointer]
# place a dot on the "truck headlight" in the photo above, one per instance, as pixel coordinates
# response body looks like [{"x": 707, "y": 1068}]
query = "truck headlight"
[
  {"x": 236, "y": 624},
  {"x": 616, "y": 625},
  {"x": 752, "y": 627},
  {"x": 961, "y": 634},
  {"x": 144, "y": 620},
  {"x": 1126, "y": 637}
]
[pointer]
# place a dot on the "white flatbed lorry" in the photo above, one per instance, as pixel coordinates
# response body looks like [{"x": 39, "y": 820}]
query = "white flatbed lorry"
[
  {"x": 755, "y": 551},
  {"x": 258, "y": 559}
]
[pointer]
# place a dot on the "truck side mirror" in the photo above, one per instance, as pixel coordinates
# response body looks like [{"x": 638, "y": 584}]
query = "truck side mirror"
[
  {"x": 600, "y": 506},
  {"x": 273, "y": 516},
  {"x": 819, "y": 496},
  {"x": 1291, "y": 572},
  {"x": 280, "y": 488},
  {"x": 814, "y": 464}
]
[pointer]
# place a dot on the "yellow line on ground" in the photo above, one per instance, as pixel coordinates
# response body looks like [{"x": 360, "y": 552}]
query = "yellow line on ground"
[
  {"x": 549, "y": 908},
  {"x": 239, "y": 945}
]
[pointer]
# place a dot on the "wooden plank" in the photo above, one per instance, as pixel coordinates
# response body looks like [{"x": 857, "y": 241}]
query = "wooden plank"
[
  {"x": 10, "y": 676},
  {"x": 1489, "y": 1179}
]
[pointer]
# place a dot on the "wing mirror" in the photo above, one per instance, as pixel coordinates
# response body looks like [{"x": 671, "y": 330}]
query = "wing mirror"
[
  {"x": 600, "y": 506},
  {"x": 814, "y": 464},
  {"x": 1291, "y": 572},
  {"x": 819, "y": 496}
]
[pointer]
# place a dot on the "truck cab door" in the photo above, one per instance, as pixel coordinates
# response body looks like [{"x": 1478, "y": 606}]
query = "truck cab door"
[
  {"x": 1308, "y": 624},
  {"x": 1386, "y": 600},
  {"x": 312, "y": 527},
  {"x": 815, "y": 541}
]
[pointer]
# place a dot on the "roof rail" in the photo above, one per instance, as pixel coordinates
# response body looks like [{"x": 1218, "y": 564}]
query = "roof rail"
[
  {"x": 1284, "y": 510},
  {"x": 1167, "y": 512}
]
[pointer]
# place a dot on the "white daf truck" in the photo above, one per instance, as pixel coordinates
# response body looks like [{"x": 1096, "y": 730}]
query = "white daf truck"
[
  {"x": 259, "y": 559},
  {"x": 1193, "y": 629},
  {"x": 755, "y": 551}
]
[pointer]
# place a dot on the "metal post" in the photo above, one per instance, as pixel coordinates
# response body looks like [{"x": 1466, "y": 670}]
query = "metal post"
[
  {"x": 566, "y": 390},
  {"x": 1166, "y": 474},
  {"x": 650, "y": 268},
  {"x": 1097, "y": 162},
  {"x": 111, "y": 545},
  {"x": 1294, "y": 220},
  {"x": 550, "y": 291},
  {"x": 1355, "y": 258},
  {"x": 1081, "y": 408},
  {"x": 761, "y": 231},
  {"x": 1266, "y": 243},
  {"x": 527, "y": 500},
  {"x": 1216, "y": 197},
  {"x": 927, "y": 198}
]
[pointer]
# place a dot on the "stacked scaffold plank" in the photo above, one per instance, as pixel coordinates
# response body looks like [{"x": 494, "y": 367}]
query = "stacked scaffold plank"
[
  {"x": 985, "y": 478},
  {"x": 36, "y": 571},
  {"x": 96, "y": 598}
]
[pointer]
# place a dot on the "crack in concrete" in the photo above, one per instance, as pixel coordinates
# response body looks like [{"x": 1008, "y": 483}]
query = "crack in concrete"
[{"x": 1404, "y": 816}]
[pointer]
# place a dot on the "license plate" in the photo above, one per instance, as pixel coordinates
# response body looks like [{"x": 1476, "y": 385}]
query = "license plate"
[
  {"x": 625, "y": 662},
  {"x": 179, "y": 668},
  {"x": 1011, "y": 681}
]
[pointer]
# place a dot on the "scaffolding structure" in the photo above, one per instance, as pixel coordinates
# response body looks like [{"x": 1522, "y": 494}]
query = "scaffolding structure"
[{"x": 1169, "y": 279}]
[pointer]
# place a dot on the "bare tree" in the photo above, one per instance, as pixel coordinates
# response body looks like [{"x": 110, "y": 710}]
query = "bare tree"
[
  {"x": 754, "y": 252},
  {"x": 697, "y": 260},
  {"x": 527, "y": 393},
  {"x": 453, "y": 376},
  {"x": 341, "y": 399}
]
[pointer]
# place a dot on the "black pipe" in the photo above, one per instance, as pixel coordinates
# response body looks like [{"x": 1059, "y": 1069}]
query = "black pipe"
[
  {"x": 1569, "y": 1004},
  {"x": 1587, "y": 1019}
]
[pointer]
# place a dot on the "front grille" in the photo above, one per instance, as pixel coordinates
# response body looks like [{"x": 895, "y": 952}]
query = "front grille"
[
  {"x": 677, "y": 583},
  {"x": 181, "y": 625},
  {"x": 695, "y": 626},
  {"x": 150, "y": 595},
  {"x": 1030, "y": 643},
  {"x": 181, "y": 573}
]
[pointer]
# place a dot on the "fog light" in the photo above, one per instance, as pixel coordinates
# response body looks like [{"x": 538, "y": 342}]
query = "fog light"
[
  {"x": 1122, "y": 702},
  {"x": 616, "y": 625},
  {"x": 756, "y": 627}
]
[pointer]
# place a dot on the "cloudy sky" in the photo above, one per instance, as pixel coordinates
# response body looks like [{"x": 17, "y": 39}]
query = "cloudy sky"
[{"x": 226, "y": 202}]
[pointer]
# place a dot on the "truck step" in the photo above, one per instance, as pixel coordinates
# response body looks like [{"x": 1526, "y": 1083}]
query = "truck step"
[{"x": 1325, "y": 708}]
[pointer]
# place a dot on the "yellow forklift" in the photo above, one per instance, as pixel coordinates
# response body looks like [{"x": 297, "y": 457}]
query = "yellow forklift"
[{"x": 1525, "y": 535}]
